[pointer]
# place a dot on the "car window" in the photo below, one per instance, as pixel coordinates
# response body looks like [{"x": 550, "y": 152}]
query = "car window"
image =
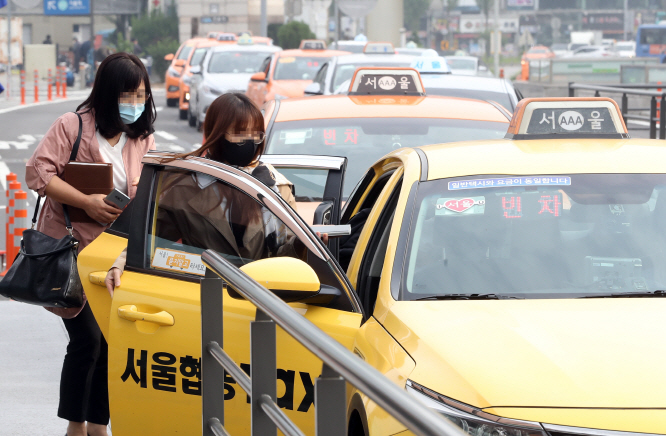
[
  {"x": 236, "y": 62},
  {"x": 364, "y": 140},
  {"x": 541, "y": 236},
  {"x": 198, "y": 56},
  {"x": 461, "y": 64},
  {"x": 321, "y": 76},
  {"x": 185, "y": 52},
  {"x": 298, "y": 67},
  {"x": 194, "y": 212}
]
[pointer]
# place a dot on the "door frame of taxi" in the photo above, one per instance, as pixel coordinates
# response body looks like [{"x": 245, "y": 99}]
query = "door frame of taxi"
[{"x": 138, "y": 262}]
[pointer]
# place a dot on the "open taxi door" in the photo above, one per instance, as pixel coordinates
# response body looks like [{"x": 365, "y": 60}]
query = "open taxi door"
[{"x": 153, "y": 322}]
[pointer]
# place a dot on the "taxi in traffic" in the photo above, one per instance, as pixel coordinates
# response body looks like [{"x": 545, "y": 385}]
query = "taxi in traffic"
[
  {"x": 384, "y": 109},
  {"x": 335, "y": 74},
  {"x": 289, "y": 72},
  {"x": 514, "y": 285},
  {"x": 175, "y": 69},
  {"x": 195, "y": 58}
]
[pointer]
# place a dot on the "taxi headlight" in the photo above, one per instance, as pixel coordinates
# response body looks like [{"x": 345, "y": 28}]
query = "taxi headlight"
[
  {"x": 173, "y": 72},
  {"x": 210, "y": 90},
  {"x": 472, "y": 421}
]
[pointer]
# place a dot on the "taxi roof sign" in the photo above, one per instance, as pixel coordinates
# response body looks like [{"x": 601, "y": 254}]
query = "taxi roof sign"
[
  {"x": 573, "y": 117},
  {"x": 379, "y": 48},
  {"x": 245, "y": 39},
  {"x": 430, "y": 65},
  {"x": 386, "y": 81},
  {"x": 226, "y": 37},
  {"x": 312, "y": 44}
]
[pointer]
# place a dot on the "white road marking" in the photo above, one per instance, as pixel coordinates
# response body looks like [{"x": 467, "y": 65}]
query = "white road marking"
[
  {"x": 169, "y": 147},
  {"x": 159, "y": 108},
  {"x": 21, "y": 145},
  {"x": 166, "y": 135},
  {"x": 4, "y": 170},
  {"x": 27, "y": 138},
  {"x": 4, "y": 145},
  {"x": 196, "y": 146}
]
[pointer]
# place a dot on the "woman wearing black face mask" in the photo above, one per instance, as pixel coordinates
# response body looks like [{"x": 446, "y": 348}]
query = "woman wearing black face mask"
[{"x": 234, "y": 135}]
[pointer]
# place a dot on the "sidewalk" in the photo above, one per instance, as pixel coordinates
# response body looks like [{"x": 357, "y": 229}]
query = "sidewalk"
[
  {"x": 15, "y": 93},
  {"x": 32, "y": 348}
]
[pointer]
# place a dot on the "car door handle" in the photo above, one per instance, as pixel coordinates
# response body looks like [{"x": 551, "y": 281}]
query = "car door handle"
[
  {"x": 97, "y": 278},
  {"x": 131, "y": 313}
]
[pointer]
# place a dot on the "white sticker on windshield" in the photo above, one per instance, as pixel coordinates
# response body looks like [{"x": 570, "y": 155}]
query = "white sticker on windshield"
[
  {"x": 461, "y": 206},
  {"x": 296, "y": 136},
  {"x": 511, "y": 181}
]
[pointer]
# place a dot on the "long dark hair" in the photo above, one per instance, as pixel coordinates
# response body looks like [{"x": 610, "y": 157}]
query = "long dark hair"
[
  {"x": 229, "y": 112},
  {"x": 118, "y": 73}
]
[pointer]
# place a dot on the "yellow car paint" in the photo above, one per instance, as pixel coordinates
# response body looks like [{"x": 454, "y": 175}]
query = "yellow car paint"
[{"x": 153, "y": 346}]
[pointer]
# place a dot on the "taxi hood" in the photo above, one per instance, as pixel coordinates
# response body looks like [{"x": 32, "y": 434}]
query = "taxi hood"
[
  {"x": 290, "y": 88},
  {"x": 577, "y": 353},
  {"x": 229, "y": 82}
]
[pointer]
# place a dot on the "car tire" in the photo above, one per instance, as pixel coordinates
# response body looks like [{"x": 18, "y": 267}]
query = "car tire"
[
  {"x": 182, "y": 114},
  {"x": 172, "y": 102},
  {"x": 191, "y": 119},
  {"x": 199, "y": 125},
  {"x": 355, "y": 425}
]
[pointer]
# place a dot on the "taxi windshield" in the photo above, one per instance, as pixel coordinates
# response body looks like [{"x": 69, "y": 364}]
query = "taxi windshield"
[
  {"x": 236, "y": 62},
  {"x": 540, "y": 236},
  {"x": 461, "y": 64},
  {"x": 364, "y": 140},
  {"x": 298, "y": 67},
  {"x": 344, "y": 73}
]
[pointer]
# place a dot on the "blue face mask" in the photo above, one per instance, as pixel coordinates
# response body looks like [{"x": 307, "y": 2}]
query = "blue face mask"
[{"x": 129, "y": 113}]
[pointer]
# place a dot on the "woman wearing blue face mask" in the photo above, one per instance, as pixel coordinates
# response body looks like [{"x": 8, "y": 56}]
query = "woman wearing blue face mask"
[{"x": 117, "y": 126}]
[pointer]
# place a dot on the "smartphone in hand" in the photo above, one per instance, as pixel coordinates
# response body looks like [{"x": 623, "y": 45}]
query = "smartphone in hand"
[{"x": 118, "y": 199}]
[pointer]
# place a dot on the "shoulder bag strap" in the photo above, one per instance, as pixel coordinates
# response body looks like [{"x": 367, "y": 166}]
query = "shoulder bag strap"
[{"x": 72, "y": 156}]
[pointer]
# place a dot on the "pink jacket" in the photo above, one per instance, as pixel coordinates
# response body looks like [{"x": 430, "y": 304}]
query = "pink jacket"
[{"x": 49, "y": 160}]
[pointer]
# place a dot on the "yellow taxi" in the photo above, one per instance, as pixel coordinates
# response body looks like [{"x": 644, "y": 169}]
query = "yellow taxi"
[
  {"x": 289, "y": 72},
  {"x": 175, "y": 70},
  {"x": 514, "y": 285},
  {"x": 195, "y": 58}
]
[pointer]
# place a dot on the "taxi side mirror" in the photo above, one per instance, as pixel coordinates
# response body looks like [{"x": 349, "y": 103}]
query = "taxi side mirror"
[
  {"x": 168, "y": 57},
  {"x": 313, "y": 89},
  {"x": 288, "y": 278},
  {"x": 258, "y": 77},
  {"x": 195, "y": 69}
]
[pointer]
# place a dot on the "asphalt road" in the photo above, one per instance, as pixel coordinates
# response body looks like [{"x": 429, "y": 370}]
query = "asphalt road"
[{"x": 21, "y": 130}]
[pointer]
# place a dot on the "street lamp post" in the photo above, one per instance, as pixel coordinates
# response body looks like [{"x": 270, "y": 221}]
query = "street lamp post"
[
  {"x": 9, "y": 49},
  {"x": 498, "y": 38}
]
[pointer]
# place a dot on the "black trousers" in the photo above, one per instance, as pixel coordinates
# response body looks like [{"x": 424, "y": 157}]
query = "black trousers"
[{"x": 84, "y": 390}]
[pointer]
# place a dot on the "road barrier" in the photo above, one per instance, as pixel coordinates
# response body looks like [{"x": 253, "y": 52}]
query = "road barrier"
[
  {"x": 21, "y": 221},
  {"x": 12, "y": 187},
  {"x": 595, "y": 70},
  {"x": 49, "y": 91},
  {"x": 340, "y": 366},
  {"x": 64, "y": 83},
  {"x": 36, "y": 86},
  {"x": 657, "y": 99},
  {"x": 22, "y": 86},
  {"x": 58, "y": 78}
]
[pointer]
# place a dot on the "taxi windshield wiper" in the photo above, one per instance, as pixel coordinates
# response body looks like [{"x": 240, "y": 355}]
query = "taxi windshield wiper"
[
  {"x": 467, "y": 297},
  {"x": 654, "y": 294}
]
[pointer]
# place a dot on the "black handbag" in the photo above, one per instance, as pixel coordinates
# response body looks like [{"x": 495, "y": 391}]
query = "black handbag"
[{"x": 44, "y": 272}]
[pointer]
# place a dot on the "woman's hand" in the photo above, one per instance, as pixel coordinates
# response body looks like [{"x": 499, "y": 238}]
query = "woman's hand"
[
  {"x": 135, "y": 182},
  {"x": 112, "y": 280},
  {"x": 100, "y": 210},
  {"x": 323, "y": 237}
]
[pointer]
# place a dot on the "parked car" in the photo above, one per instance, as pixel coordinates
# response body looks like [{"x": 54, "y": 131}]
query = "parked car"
[
  {"x": 592, "y": 51},
  {"x": 626, "y": 49}
]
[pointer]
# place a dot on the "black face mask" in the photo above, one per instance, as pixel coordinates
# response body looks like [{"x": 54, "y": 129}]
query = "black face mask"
[{"x": 238, "y": 154}]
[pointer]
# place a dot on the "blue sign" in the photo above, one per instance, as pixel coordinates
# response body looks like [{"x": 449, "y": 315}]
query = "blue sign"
[
  {"x": 432, "y": 65},
  {"x": 66, "y": 7}
]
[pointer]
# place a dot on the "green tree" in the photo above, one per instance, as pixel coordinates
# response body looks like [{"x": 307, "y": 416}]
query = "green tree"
[
  {"x": 273, "y": 29},
  {"x": 157, "y": 34},
  {"x": 290, "y": 35},
  {"x": 414, "y": 10}
]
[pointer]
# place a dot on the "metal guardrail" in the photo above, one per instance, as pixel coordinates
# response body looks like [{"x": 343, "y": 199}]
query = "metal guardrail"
[
  {"x": 339, "y": 366},
  {"x": 656, "y": 116},
  {"x": 595, "y": 69}
]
